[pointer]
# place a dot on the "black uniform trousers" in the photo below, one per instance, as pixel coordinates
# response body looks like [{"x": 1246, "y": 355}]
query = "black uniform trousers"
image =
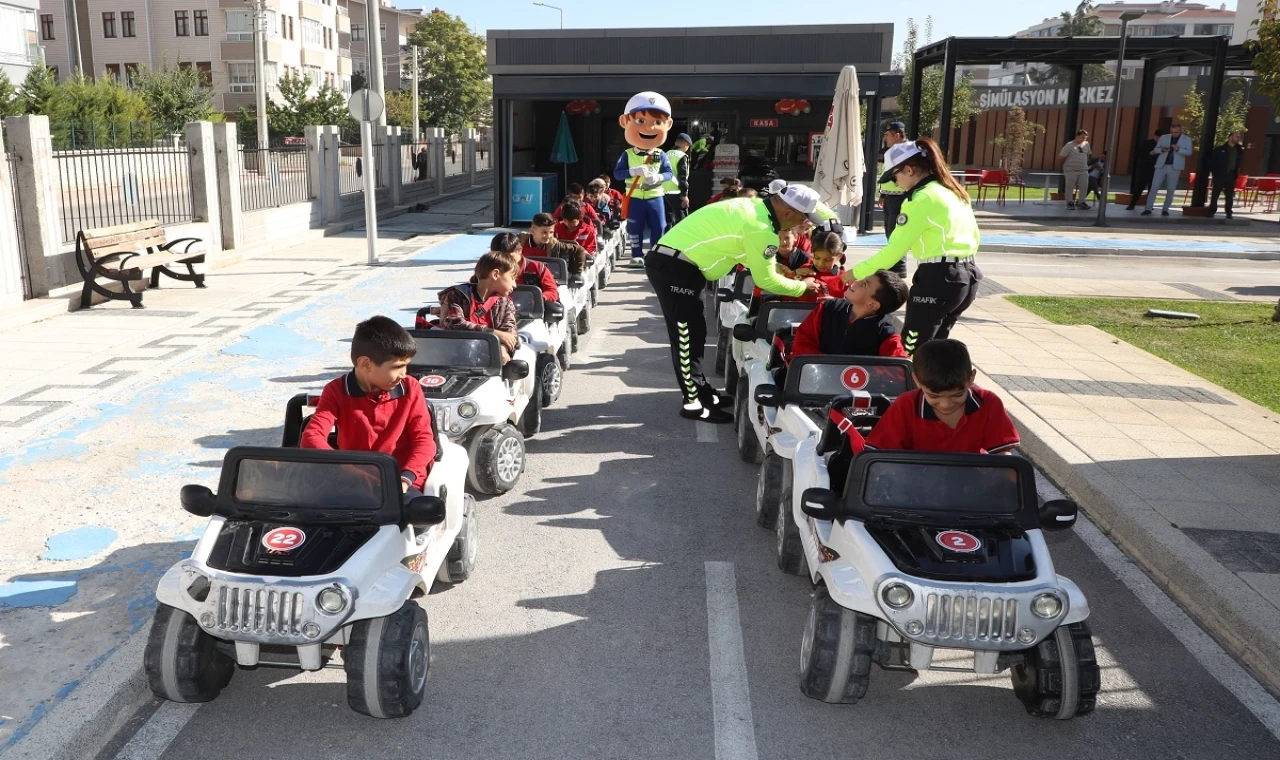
[
  {"x": 1141, "y": 182},
  {"x": 1226, "y": 185},
  {"x": 892, "y": 208},
  {"x": 940, "y": 292},
  {"x": 674, "y": 209},
  {"x": 678, "y": 285}
]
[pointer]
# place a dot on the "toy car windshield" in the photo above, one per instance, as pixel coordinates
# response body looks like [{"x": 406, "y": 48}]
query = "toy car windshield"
[
  {"x": 309, "y": 484},
  {"x": 743, "y": 286},
  {"x": 559, "y": 268},
  {"x": 528, "y": 300},
  {"x": 841, "y": 379},
  {"x": 455, "y": 349},
  {"x": 776, "y": 315}
]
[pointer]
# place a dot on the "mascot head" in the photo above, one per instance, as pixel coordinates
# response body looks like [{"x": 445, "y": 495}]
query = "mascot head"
[{"x": 646, "y": 121}]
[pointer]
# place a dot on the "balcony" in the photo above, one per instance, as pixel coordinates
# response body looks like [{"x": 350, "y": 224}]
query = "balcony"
[
  {"x": 342, "y": 10},
  {"x": 343, "y": 24},
  {"x": 243, "y": 51},
  {"x": 19, "y": 59}
]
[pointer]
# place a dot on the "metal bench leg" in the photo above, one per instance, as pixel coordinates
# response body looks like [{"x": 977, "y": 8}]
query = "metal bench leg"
[
  {"x": 91, "y": 286},
  {"x": 189, "y": 276}
]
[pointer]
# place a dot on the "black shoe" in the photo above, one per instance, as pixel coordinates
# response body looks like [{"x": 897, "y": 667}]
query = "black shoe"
[
  {"x": 1164, "y": 213},
  {"x": 1146, "y": 213},
  {"x": 1229, "y": 215},
  {"x": 714, "y": 399},
  {"x": 1128, "y": 208},
  {"x": 1083, "y": 207},
  {"x": 703, "y": 414},
  {"x": 1071, "y": 205}
]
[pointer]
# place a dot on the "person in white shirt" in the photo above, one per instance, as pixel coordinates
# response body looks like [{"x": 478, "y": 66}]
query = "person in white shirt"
[{"x": 1171, "y": 157}]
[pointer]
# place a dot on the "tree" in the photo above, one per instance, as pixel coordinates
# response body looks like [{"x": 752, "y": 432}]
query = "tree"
[
  {"x": 175, "y": 96},
  {"x": 1231, "y": 116},
  {"x": 1019, "y": 134},
  {"x": 36, "y": 91},
  {"x": 296, "y": 109},
  {"x": 1082, "y": 22},
  {"x": 1266, "y": 63},
  {"x": 358, "y": 82},
  {"x": 400, "y": 109},
  {"x": 452, "y": 75},
  {"x": 9, "y": 102},
  {"x": 964, "y": 104},
  {"x": 98, "y": 112}
]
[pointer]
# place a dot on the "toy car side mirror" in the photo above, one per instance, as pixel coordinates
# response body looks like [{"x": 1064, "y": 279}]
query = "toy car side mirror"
[
  {"x": 724, "y": 294},
  {"x": 198, "y": 500},
  {"x": 516, "y": 369},
  {"x": 767, "y": 395},
  {"x": 820, "y": 503},
  {"x": 553, "y": 311},
  {"x": 422, "y": 511},
  {"x": 1058, "y": 514},
  {"x": 744, "y": 333}
]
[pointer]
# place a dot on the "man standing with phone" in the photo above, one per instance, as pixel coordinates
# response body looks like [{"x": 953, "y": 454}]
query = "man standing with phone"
[{"x": 1171, "y": 154}]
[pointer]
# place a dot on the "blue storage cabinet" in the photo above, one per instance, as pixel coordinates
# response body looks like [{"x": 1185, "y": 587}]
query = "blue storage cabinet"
[{"x": 533, "y": 194}]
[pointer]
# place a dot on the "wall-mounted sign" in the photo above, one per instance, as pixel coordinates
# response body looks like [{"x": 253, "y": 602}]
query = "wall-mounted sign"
[
  {"x": 763, "y": 123},
  {"x": 1043, "y": 97}
]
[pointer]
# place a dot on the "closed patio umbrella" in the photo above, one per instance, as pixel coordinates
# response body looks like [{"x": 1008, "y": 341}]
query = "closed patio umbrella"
[
  {"x": 841, "y": 164},
  {"x": 563, "y": 152}
]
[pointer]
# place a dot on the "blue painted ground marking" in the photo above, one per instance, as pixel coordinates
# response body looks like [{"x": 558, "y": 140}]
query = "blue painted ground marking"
[
  {"x": 274, "y": 342},
  {"x": 79, "y": 543},
  {"x": 459, "y": 250},
  {"x": 36, "y": 593}
]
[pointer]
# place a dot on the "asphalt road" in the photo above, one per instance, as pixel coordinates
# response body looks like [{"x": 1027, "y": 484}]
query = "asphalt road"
[{"x": 586, "y": 631}]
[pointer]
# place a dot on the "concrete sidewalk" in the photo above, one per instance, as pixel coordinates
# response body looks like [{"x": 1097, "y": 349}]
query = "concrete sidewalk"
[{"x": 1183, "y": 474}]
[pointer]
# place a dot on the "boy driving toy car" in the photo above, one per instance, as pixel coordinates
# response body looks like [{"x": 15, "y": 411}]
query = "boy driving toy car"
[
  {"x": 857, "y": 324},
  {"x": 375, "y": 408},
  {"x": 486, "y": 305},
  {"x": 573, "y": 227},
  {"x": 540, "y": 242},
  {"x": 531, "y": 271},
  {"x": 946, "y": 412}
]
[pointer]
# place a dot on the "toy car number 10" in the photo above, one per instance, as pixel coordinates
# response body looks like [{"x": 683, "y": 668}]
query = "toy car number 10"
[{"x": 283, "y": 539}]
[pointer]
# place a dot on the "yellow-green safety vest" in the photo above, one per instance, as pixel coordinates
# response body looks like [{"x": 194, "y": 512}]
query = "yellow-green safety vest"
[
  {"x": 633, "y": 160},
  {"x": 675, "y": 156},
  {"x": 934, "y": 222}
]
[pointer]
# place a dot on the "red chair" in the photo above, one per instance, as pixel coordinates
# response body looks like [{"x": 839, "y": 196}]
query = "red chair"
[
  {"x": 1269, "y": 188},
  {"x": 1243, "y": 190},
  {"x": 1019, "y": 182},
  {"x": 1191, "y": 183},
  {"x": 997, "y": 178}
]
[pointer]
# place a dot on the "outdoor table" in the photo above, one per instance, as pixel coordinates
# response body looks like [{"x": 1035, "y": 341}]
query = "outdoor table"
[{"x": 1047, "y": 176}]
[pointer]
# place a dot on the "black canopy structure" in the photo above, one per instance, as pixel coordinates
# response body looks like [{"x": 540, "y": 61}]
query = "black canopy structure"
[{"x": 1073, "y": 53}]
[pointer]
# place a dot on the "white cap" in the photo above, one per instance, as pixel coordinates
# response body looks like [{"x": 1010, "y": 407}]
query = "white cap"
[
  {"x": 894, "y": 157},
  {"x": 802, "y": 199},
  {"x": 644, "y": 101}
]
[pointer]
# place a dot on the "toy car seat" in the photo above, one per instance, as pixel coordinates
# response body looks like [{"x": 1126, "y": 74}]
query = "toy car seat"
[{"x": 296, "y": 421}]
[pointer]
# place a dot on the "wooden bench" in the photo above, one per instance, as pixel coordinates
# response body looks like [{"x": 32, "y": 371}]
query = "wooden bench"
[{"x": 121, "y": 253}]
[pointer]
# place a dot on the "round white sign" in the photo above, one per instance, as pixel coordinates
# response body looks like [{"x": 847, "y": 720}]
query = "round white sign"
[{"x": 356, "y": 105}]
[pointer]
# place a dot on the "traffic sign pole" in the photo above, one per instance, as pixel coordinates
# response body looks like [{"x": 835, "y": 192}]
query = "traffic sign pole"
[{"x": 370, "y": 203}]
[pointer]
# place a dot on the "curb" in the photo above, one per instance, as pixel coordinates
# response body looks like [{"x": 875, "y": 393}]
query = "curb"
[
  {"x": 1145, "y": 252},
  {"x": 83, "y": 723},
  {"x": 1247, "y": 625}
]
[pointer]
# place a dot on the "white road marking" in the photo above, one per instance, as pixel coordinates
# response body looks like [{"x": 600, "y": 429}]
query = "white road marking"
[
  {"x": 158, "y": 732},
  {"x": 707, "y": 433},
  {"x": 730, "y": 695},
  {"x": 1224, "y": 669}
]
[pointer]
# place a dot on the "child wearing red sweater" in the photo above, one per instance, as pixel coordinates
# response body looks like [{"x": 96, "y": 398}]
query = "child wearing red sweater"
[
  {"x": 376, "y": 407},
  {"x": 825, "y": 267},
  {"x": 573, "y": 227}
]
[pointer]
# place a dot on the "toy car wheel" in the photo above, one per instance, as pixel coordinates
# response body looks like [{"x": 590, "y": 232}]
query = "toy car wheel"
[
  {"x": 584, "y": 321},
  {"x": 748, "y": 446},
  {"x": 564, "y": 356},
  {"x": 768, "y": 487},
  {"x": 790, "y": 550},
  {"x": 835, "y": 653},
  {"x": 183, "y": 663},
  {"x": 386, "y": 661},
  {"x": 1059, "y": 678},
  {"x": 595, "y": 292},
  {"x": 497, "y": 459},
  {"x": 531, "y": 420},
  {"x": 731, "y": 384},
  {"x": 550, "y": 377},
  {"x": 722, "y": 349},
  {"x": 461, "y": 560},
  {"x": 573, "y": 334}
]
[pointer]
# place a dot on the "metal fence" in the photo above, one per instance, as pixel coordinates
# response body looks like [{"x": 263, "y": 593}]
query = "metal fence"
[
  {"x": 82, "y": 135},
  {"x": 274, "y": 177},
  {"x": 452, "y": 158},
  {"x": 100, "y": 188},
  {"x": 484, "y": 157},
  {"x": 13, "y": 160},
  {"x": 415, "y": 162},
  {"x": 351, "y": 168}
]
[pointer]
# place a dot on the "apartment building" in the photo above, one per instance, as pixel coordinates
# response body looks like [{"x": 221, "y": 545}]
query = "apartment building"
[
  {"x": 19, "y": 40},
  {"x": 396, "y": 26},
  {"x": 312, "y": 38}
]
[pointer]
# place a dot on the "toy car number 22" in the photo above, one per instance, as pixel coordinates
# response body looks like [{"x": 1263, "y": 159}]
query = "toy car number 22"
[{"x": 283, "y": 539}]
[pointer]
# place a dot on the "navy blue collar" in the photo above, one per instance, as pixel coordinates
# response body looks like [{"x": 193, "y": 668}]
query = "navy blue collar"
[
  {"x": 971, "y": 405},
  {"x": 354, "y": 391}
]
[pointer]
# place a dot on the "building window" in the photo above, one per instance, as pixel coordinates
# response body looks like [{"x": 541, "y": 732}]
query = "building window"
[
  {"x": 312, "y": 32},
  {"x": 328, "y": 38},
  {"x": 383, "y": 30},
  {"x": 180, "y": 27},
  {"x": 206, "y": 72},
  {"x": 202, "y": 23},
  {"x": 239, "y": 26},
  {"x": 357, "y": 32},
  {"x": 109, "y": 24},
  {"x": 242, "y": 79},
  {"x": 46, "y": 26},
  {"x": 292, "y": 35},
  {"x": 126, "y": 24},
  {"x": 1224, "y": 30},
  {"x": 314, "y": 75},
  {"x": 113, "y": 70}
]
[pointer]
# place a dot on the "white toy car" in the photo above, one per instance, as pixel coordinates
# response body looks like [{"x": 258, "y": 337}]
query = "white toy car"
[
  {"x": 733, "y": 299},
  {"x": 755, "y": 357},
  {"x": 824, "y": 392},
  {"x": 575, "y": 295},
  {"x": 919, "y": 551},
  {"x": 541, "y": 325},
  {"x": 308, "y": 555},
  {"x": 487, "y": 407}
]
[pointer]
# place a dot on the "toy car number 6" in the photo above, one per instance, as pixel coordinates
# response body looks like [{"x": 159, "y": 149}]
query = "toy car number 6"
[{"x": 854, "y": 378}]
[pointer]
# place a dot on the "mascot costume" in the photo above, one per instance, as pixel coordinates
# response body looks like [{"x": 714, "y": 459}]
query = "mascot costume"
[{"x": 644, "y": 169}]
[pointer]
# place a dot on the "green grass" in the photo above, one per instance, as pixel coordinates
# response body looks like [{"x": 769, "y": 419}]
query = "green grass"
[
  {"x": 1233, "y": 344},
  {"x": 1034, "y": 193}
]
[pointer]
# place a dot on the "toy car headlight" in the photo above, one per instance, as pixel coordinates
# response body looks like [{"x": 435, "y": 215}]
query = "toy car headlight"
[
  {"x": 467, "y": 410},
  {"x": 897, "y": 596},
  {"x": 1046, "y": 606},
  {"x": 331, "y": 601}
]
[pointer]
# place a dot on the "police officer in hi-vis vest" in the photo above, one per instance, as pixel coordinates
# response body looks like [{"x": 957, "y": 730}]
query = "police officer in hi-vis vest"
[
  {"x": 936, "y": 226},
  {"x": 643, "y": 169},
  {"x": 891, "y": 196},
  {"x": 677, "y": 188}
]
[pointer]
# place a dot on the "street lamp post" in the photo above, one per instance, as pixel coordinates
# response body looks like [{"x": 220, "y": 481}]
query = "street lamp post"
[
  {"x": 1105, "y": 183},
  {"x": 553, "y": 7}
]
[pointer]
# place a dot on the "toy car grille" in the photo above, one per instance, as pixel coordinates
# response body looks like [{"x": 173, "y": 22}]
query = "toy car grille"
[
  {"x": 259, "y": 610},
  {"x": 970, "y": 618},
  {"x": 454, "y": 387}
]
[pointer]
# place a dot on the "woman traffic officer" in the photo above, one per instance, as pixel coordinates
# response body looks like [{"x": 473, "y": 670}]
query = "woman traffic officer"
[{"x": 936, "y": 226}]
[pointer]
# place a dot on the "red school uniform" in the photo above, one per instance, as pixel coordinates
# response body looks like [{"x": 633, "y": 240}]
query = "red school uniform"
[
  {"x": 832, "y": 286},
  {"x": 831, "y": 329},
  {"x": 395, "y": 422},
  {"x": 537, "y": 274},
  {"x": 911, "y": 424},
  {"x": 584, "y": 236},
  {"x": 589, "y": 214}
]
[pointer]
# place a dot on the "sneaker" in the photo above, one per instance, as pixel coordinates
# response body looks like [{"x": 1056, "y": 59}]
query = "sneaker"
[
  {"x": 1083, "y": 207},
  {"x": 637, "y": 262},
  {"x": 1147, "y": 212},
  {"x": 702, "y": 414},
  {"x": 1164, "y": 213},
  {"x": 1128, "y": 208},
  {"x": 1071, "y": 205},
  {"x": 714, "y": 399},
  {"x": 1229, "y": 215}
]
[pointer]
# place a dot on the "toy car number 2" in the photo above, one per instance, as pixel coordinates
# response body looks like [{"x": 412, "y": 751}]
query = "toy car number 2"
[
  {"x": 283, "y": 539},
  {"x": 854, "y": 378},
  {"x": 958, "y": 541},
  {"x": 432, "y": 381}
]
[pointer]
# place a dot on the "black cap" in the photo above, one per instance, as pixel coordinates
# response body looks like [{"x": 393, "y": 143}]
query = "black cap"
[{"x": 896, "y": 126}]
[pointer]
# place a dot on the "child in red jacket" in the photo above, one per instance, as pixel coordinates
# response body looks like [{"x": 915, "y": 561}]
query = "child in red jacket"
[
  {"x": 825, "y": 267},
  {"x": 574, "y": 228},
  {"x": 376, "y": 407}
]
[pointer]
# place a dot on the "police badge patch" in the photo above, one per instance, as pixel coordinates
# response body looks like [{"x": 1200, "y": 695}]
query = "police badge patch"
[
  {"x": 771, "y": 252},
  {"x": 902, "y": 219}
]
